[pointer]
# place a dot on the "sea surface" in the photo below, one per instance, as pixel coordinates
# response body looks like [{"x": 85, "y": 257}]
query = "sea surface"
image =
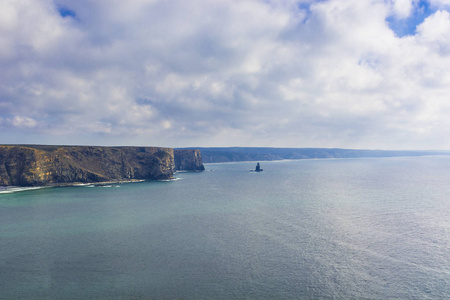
[{"x": 308, "y": 229}]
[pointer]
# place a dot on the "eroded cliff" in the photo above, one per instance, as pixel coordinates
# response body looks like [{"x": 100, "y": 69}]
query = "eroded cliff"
[
  {"x": 32, "y": 165},
  {"x": 188, "y": 160}
]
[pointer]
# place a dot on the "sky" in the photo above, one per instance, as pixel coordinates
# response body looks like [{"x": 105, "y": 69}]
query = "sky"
[{"x": 367, "y": 74}]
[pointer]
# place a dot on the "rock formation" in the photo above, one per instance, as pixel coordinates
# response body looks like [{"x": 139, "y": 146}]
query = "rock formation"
[
  {"x": 188, "y": 160},
  {"x": 46, "y": 165},
  {"x": 35, "y": 165}
]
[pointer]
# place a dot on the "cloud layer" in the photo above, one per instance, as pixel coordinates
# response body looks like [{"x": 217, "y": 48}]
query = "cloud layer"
[{"x": 225, "y": 73}]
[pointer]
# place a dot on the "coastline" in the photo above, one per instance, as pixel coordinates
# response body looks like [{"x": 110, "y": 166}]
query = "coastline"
[
  {"x": 15, "y": 189},
  {"x": 99, "y": 183}
]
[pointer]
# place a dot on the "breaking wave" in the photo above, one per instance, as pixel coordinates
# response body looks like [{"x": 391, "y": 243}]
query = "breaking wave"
[{"x": 15, "y": 189}]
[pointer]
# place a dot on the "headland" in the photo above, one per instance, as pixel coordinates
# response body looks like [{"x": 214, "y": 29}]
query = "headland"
[{"x": 42, "y": 165}]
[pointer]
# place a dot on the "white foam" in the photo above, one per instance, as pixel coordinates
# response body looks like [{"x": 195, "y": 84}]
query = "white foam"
[
  {"x": 102, "y": 185},
  {"x": 168, "y": 180},
  {"x": 15, "y": 189}
]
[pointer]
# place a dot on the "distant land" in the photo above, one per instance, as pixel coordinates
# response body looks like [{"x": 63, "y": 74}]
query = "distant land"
[{"x": 231, "y": 154}]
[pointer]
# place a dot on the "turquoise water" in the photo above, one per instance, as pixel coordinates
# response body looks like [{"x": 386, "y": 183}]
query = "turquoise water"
[{"x": 347, "y": 228}]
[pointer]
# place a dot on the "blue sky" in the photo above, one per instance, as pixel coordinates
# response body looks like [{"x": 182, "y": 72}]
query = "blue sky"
[
  {"x": 66, "y": 12},
  {"x": 407, "y": 25},
  {"x": 278, "y": 73}
]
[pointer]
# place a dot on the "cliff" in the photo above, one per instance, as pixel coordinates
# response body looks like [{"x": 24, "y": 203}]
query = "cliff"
[
  {"x": 188, "y": 160},
  {"x": 33, "y": 165}
]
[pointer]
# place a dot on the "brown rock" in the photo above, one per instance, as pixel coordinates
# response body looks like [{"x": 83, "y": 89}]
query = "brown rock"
[
  {"x": 33, "y": 165},
  {"x": 188, "y": 160}
]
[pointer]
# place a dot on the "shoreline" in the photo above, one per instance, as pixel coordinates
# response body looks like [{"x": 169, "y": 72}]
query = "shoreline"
[
  {"x": 14, "y": 188},
  {"x": 98, "y": 183}
]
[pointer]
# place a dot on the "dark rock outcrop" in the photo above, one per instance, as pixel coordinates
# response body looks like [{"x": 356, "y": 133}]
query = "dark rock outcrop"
[
  {"x": 188, "y": 160},
  {"x": 32, "y": 165}
]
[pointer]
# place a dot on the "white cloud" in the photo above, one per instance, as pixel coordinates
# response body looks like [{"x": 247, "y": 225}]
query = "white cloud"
[
  {"x": 23, "y": 121},
  {"x": 402, "y": 8},
  {"x": 201, "y": 73},
  {"x": 435, "y": 32},
  {"x": 440, "y": 3}
]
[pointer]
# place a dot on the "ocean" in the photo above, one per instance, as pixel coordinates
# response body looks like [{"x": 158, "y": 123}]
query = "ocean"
[{"x": 369, "y": 228}]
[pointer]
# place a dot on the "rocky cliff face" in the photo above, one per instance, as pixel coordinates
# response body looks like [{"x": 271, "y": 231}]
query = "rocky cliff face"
[
  {"x": 188, "y": 160},
  {"x": 43, "y": 165}
]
